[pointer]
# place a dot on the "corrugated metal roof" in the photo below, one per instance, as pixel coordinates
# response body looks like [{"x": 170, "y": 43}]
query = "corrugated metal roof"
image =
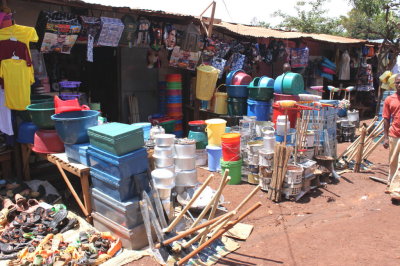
[{"x": 261, "y": 32}]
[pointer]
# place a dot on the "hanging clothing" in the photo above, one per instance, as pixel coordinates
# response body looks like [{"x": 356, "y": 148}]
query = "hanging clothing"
[
  {"x": 18, "y": 78},
  {"x": 5, "y": 116},
  {"x": 22, "y": 34},
  {"x": 344, "y": 66}
]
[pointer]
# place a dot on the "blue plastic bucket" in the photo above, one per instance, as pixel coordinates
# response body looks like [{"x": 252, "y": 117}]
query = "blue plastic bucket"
[
  {"x": 72, "y": 126},
  {"x": 260, "y": 109},
  {"x": 26, "y": 132},
  {"x": 146, "y": 129},
  {"x": 179, "y": 134},
  {"x": 237, "y": 91},
  {"x": 214, "y": 156},
  {"x": 342, "y": 112}
]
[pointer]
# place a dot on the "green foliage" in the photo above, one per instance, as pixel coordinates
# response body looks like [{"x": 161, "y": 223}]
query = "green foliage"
[{"x": 310, "y": 18}]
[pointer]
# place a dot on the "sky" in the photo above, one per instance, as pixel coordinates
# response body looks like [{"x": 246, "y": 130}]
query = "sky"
[{"x": 238, "y": 11}]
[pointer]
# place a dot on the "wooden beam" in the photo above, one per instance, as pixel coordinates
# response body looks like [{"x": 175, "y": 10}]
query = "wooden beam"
[{"x": 210, "y": 26}]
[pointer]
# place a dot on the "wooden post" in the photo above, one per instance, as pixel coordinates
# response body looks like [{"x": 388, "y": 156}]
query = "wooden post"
[
  {"x": 210, "y": 26},
  {"x": 360, "y": 150}
]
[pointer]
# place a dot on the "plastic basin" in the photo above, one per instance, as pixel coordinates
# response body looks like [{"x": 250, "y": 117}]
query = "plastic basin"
[
  {"x": 237, "y": 91},
  {"x": 41, "y": 114},
  {"x": 72, "y": 126},
  {"x": 47, "y": 141},
  {"x": 26, "y": 132},
  {"x": 40, "y": 98}
]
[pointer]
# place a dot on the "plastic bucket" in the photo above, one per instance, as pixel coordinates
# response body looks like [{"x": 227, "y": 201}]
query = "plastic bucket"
[
  {"x": 237, "y": 106},
  {"x": 146, "y": 129},
  {"x": 26, "y": 132},
  {"x": 41, "y": 114},
  {"x": 261, "y": 89},
  {"x": 215, "y": 128},
  {"x": 342, "y": 112},
  {"x": 277, "y": 111},
  {"x": 237, "y": 91},
  {"x": 231, "y": 146},
  {"x": 259, "y": 109},
  {"x": 206, "y": 80},
  {"x": 220, "y": 106},
  {"x": 214, "y": 154},
  {"x": 289, "y": 83},
  {"x": 168, "y": 125},
  {"x": 200, "y": 138},
  {"x": 197, "y": 126},
  {"x": 72, "y": 126},
  {"x": 235, "y": 171},
  {"x": 47, "y": 141}
]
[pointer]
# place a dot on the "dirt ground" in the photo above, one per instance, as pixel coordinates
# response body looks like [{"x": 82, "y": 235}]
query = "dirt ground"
[{"x": 351, "y": 222}]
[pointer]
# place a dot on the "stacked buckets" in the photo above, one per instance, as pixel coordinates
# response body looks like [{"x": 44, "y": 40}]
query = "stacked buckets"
[
  {"x": 231, "y": 157},
  {"x": 197, "y": 132},
  {"x": 185, "y": 164},
  {"x": 261, "y": 91},
  {"x": 174, "y": 101}
]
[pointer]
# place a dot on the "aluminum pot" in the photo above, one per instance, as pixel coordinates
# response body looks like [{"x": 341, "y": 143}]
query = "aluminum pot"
[
  {"x": 186, "y": 178},
  {"x": 165, "y": 193},
  {"x": 163, "y": 162},
  {"x": 160, "y": 151},
  {"x": 163, "y": 178},
  {"x": 164, "y": 140},
  {"x": 185, "y": 150},
  {"x": 169, "y": 168},
  {"x": 185, "y": 163}
]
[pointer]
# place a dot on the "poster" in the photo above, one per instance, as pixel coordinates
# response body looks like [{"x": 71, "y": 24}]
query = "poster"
[
  {"x": 59, "y": 38},
  {"x": 184, "y": 59}
]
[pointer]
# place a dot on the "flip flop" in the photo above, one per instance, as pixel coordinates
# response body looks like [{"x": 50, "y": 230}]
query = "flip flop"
[{"x": 58, "y": 218}]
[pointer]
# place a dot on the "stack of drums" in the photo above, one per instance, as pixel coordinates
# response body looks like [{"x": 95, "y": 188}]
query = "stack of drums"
[
  {"x": 231, "y": 157},
  {"x": 197, "y": 132},
  {"x": 174, "y": 101},
  {"x": 185, "y": 164}
]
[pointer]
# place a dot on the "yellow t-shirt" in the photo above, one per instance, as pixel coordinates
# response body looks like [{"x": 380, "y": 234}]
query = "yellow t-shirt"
[
  {"x": 18, "y": 78},
  {"x": 23, "y": 34}
]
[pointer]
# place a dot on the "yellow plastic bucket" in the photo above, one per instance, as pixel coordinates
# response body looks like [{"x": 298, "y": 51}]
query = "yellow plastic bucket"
[
  {"x": 215, "y": 128},
  {"x": 221, "y": 104},
  {"x": 206, "y": 80}
]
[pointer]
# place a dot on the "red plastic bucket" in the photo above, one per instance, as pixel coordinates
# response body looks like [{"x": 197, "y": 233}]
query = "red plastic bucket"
[
  {"x": 292, "y": 114},
  {"x": 230, "y": 147}
]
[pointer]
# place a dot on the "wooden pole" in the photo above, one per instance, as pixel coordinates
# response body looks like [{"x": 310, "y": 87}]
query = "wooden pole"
[
  {"x": 360, "y": 150},
  {"x": 210, "y": 26}
]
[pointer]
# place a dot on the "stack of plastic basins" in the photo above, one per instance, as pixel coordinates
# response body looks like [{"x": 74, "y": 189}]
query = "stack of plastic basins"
[
  {"x": 260, "y": 95},
  {"x": 231, "y": 157},
  {"x": 197, "y": 132},
  {"x": 162, "y": 97},
  {"x": 174, "y": 101},
  {"x": 119, "y": 176}
]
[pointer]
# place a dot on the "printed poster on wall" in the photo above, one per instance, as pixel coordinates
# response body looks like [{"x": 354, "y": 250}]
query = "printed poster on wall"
[
  {"x": 184, "y": 59},
  {"x": 59, "y": 38}
]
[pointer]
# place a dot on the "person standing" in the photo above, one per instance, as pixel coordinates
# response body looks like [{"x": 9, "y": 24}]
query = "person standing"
[{"x": 391, "y": 130}]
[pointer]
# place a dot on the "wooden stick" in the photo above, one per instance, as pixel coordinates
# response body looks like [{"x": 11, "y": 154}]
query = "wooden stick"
[
  {"x": 367, "y": 143},
  {"x": 207, "y": 208},
  {"x": 360, "y": 151},
  {"x": 368, "y": 152},
  {"x": 219, "y": 234},
  {"x": 286, "y": 120},
  {"x": 195, "y": 196}
]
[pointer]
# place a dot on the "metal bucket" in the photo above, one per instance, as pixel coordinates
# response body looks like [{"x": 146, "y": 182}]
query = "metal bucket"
[
  {"x": 165, "y": 193},
  {"x": 185, "y": 148},
  {"x": 269, "y": 143},
  {"x": 163, "y": 178},
  {"x": 266, "y": 158},
  {"x": 184, "y": 164},
  {"x": 162, "y": 162},
  {"x": 201, "y": 157},
  {"x": 169, "y": 168},
  {"x": 294, "y": 174},
  {"x": 167, "y": 151},
  {"x": 186, "y": 178},
  {"x": 164, "y": 140},
  {"x": 253, "y": 148}
]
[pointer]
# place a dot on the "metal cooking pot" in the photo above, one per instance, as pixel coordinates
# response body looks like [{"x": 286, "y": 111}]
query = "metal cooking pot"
[
  {"x": 163, "y": 161},
  {"x": 169, "y": 168},
  {"x": 160, "y": 151},
  {"x": 163, "y": 178},
  {"x": 186, "y": 178},
  {"x": 164, "y": 140},
  {"x": 165, "y": 193},
  {"x": 185, "y": 150},
  {"x": 185, "y": 163}
]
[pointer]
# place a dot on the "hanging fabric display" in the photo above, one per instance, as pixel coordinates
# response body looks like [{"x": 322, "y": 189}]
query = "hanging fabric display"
[
  {"x": 111, "y": 31},
  {"x": 184, "y": 59},
  {"x": 236, "y": 61},
  {"x": 128, "y": 35},
  {"x": 89, "y": 32},
  {"x": 58, "y": 31},
  {"x": 219, "y": 63},
  {"x": 191, "y": 38},
  {"x": 143, "y": 33},
  {"x": 299, "y": 57}
]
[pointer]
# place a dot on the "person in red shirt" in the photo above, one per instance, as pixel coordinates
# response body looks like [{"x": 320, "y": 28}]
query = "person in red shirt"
[{"x": 391, "y": 130}]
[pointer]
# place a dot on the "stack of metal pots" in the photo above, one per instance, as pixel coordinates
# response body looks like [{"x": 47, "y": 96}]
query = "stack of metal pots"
[
  {"x": 185, "y": 164},
  {"x": 164, "y": 174}
]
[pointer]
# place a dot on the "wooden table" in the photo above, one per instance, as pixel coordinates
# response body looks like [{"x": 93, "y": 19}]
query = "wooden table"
[{"x": 79, "y": 170}]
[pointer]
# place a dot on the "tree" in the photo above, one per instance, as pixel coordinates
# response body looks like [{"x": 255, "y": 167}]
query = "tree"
[
  {"x": 310, "y": 18},
  {"x": 255, "y": 22}
]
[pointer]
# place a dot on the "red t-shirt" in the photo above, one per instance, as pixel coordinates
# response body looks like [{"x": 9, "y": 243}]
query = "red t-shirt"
[
  {"x": 9, "y": 48},
  {"x": 391, "y": 110}
]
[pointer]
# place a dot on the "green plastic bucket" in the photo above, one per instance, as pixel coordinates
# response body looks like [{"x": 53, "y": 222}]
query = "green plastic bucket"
[
  {"x": 237, "y": 106},
  {"x": 235, "y": 171},
  {"x": 169, "y": 126},
  {"x": 41, "y": 114}
]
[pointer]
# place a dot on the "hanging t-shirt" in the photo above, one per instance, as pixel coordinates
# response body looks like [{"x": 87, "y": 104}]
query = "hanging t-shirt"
[
  {"x": 5, "y": 116},
  {"x": 21, "y": 33},
  {"x": 18, "y": 78}
]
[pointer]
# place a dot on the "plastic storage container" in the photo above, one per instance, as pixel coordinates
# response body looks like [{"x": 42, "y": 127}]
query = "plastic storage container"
[
  {"x": 72, "y": 126},
  {"x": 26, "y": 132},
  {"x": 119, "y": 189},
  {"x": 135, "y": 238},
  {"x": 120, "y": 167},
  {"x": 125, "y": 213},
  {"x": 74, "y": 151},
  {"x": 146, "y": 129},
  {"x": 260, "y": 109},
  {"x": 116, "y": 138}
]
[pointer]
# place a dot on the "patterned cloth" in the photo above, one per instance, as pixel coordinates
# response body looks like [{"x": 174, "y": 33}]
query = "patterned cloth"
[
  {"x": 111, "y": 31},
  {"x": 219, "y": 63}
]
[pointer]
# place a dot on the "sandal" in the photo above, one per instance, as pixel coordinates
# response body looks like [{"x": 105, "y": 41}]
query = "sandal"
[
  {"x": 32, "y": 205},
  {"x": 6, "y": 248},
  {"x": 21, "y": 202},
  {"x": 58, "y": 218},
  {"x": 72, "y": 223}
]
